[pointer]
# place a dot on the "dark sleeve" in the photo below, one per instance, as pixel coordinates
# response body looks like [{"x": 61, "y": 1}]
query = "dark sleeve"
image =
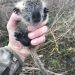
[{"x": 10, "y": 63}]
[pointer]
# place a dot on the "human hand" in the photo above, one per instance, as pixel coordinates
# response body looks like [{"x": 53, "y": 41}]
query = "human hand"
[{"x": 36, "y": 34}]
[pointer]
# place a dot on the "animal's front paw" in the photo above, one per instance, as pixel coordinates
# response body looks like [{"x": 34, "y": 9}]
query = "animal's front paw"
[{"x": 23, "y": 38}]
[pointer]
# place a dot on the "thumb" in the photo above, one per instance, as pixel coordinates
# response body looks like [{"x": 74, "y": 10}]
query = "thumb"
[{"x": 12, "y": 23}]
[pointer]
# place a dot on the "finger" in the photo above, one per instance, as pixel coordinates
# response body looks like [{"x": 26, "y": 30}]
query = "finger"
[
  {"x": 38, "y": 41},
  {"x": 34, "y": 27},
  {"x": 38, "y": 32},
  {"x": 13, "y": 22}
]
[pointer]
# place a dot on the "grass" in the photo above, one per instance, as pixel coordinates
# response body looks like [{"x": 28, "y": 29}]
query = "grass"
[{"x": 58, "y": 52}]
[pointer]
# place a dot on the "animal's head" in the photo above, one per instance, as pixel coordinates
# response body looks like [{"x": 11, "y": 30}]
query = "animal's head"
[{"x": 32, "y": 11}]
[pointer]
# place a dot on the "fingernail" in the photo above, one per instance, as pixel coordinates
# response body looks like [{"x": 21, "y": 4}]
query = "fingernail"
[{"x": 33, "y": 42}]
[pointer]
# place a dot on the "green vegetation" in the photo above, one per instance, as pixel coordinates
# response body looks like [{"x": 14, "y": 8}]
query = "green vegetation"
[{"x": 58, "y": 52}]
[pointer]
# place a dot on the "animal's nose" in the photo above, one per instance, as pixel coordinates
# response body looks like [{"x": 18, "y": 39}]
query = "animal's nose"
[{"x": 36, "y": 16}]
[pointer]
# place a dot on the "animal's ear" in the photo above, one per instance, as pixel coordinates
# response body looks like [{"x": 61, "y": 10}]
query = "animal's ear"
[
  {"x": 16, "y": 10},
  {"x": 46, "y": 10},
  {"x": 19, "y": 5}
]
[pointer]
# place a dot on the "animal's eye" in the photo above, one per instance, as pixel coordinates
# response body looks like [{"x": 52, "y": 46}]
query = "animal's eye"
[
  {"x": 28, "y": 19},
  {"x": 46, "y": 10},
  {"x": 16, "y": 10}
]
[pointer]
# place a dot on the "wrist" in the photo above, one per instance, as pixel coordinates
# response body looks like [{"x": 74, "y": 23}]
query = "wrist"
[{"x": 22, "y": 52}]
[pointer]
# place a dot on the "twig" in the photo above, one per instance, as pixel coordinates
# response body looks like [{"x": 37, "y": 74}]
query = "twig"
[
  {"x": 37, "y": 60},
  {"x": 56, "y": 17},
  {"x": 50, "y": 72}
]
